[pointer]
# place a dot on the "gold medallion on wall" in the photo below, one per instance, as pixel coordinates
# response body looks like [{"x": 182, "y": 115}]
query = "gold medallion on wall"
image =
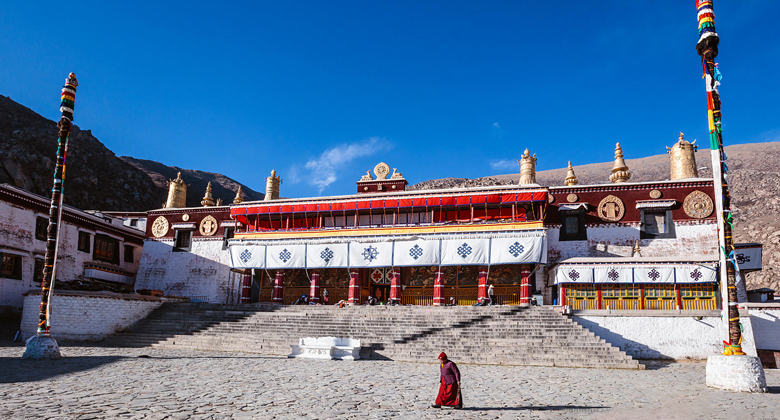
[
  {"x": 160, "y": 227},
  {"x": 572, "y": 198},
  {"x": 550, "y": 198},
  {"x": 698, "y": 205},
  {"x": 208, "y": 226},
  {"x": 611, "y": 209}
]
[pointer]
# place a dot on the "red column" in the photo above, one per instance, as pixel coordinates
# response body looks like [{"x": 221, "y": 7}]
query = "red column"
[
  {"x": 678, "y": 296},
  {"x": 278, "y": 296},
  {"x": 246, "y": 289},
  {"x": 395, "y": 285},
  {"x": 483, "y": 277},
  {"x": 314, "y": 293},
  {"x": 641, "y": 296},
  {"x": 354, "y": 287},
  {"x": 525, "y": 284},
  {"x": 562, "y": 296},
  {"x": 438, "y": 300}
]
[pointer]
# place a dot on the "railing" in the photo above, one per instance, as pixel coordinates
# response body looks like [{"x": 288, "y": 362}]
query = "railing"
[
  {"x": 620, "y": 304},
  {"x": 199, "y": 299},
  {"x": 700, "y": 304},
  {"x": 581, "y": 303},
  {"x": 668, "y": 303},
  {"x": 420, "y": 296}
]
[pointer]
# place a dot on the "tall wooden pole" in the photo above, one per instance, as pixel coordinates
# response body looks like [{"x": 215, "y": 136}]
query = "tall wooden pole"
[{"x": 707, "y": 47}]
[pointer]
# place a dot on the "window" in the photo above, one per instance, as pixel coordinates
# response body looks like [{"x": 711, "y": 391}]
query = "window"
[
  {"x": 38, "y": 272},
  {"x": 659, "y": 291},
  {"x": 106, "y": 249},
  {"x": 12, "y": 266},
  {"x": 657, "y": 224},
  {"x": 41, "y": 224},
  {"x": 573, "y": 226},
  {"x": 183, "y": 240},
  {"x": 618, "y": 291},
  {"x": 133, "y": 222},
  {"x": 129, "y": 249},
  {"x": 84, "y": 239},
  {"x": 229, "y": 231}
]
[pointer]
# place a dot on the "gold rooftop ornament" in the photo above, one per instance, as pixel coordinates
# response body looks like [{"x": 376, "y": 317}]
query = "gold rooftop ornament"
[
  {"x": 207, "y": 201},
  {"x": 272, "y": 186},
  {"x": 620, "y": 171},
  {"x": 683, "y": 159},
  {"x": 527, "y": 168},
  {"x": 571, "y": 179},
  {"x": 239, "y": 196},
  {"x": 177, "y": 193}
]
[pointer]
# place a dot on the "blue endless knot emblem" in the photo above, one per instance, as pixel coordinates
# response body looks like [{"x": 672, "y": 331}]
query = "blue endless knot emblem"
[
  {"x": 245, "y": 256},
  {"x": 573, "y": 274},
  {"x": 696, "y": 275},
  {"x": 464, "y": 250},
  {"x": 416, "y": 252},
  {"x": 654, "y": 274},
  {"x": 742, "y": 258},
  {"x": 326, "y": 255},
  {"x": 516, "y": 249},
  {"x": 370, "y": 253},
  {"x": 285, "y": 255},
  {"x": 613, "y": 275}
]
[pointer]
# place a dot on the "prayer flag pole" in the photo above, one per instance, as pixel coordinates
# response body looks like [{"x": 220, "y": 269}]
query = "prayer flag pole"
[{"x": 42, "y": 346}]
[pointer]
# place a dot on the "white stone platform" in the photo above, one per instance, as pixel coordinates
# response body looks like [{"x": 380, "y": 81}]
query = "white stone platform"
[
  {"x": 736, "y": 373},
  {"x": 326, "y": 348}
]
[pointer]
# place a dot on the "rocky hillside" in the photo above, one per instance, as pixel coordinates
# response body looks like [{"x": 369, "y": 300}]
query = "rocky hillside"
[
  {"x": 754, "y": 174},
  {"x": 96, "y": 178}
]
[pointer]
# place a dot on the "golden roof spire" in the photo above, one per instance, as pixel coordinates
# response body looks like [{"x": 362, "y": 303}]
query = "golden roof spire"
[
  {"x": 683, "y": 159},
  {"x": 620, "y": 171},
  {"x": 272, "y": 186},
  {"x": 239, "y": 196},
  {"x": 177, "y": 193},
  {"x": 571, "y": 179},
  {"x": 527, "y": 168},
  {"x": 637, "y": 253},
  {"x": 207, "y": 201}
]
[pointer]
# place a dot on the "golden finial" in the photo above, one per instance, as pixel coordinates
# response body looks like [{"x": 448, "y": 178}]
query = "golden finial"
[
  {"x": 527, "y": 168},
  {"x": 239, "y": 196},
  {"x": 571, "y": 179},
  {"x": 177, "y": 193},
  {"x": 272, "y": 186},
  {"x": 207, "y": 201},
  {"x": 636, "y": 250},
  {"x": 683, "y": 159},
  {"x": 620, "y": 171}
]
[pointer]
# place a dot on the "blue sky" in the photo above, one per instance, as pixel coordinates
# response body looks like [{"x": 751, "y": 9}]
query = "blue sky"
[{"x": 322, "y": 91}]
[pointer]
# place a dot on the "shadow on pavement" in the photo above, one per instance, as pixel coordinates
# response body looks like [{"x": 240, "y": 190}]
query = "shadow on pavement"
[
  {"x": 540, "y": 408},
  {"x": 17, "y": 370},
  {"x": 773, "y": 389},
  {"x": 651, "y": 364}
]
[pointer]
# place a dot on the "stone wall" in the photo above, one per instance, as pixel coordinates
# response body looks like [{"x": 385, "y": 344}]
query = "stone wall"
[
  {"x": 664, "y": 334},
  {"x": 765, "y": 318},
  {"x": 87, "y": 316}
]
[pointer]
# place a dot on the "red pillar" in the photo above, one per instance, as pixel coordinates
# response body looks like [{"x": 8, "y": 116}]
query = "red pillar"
[
  {"x": 354, "y": 287},
  {"x": 278, "y": 296},
  {"x": 246, "y": 288},
  {"x": 314, "y": 293},
  {"x": 438, "y": 287},
  {"x": 395, "y": 285},
  {"x": 678, "y": 296},
  {"x": 525, "y": 284},
  {"x": 483, "y": 277},
  {"x": 641, "y": 296},
  {"x": 598, "y": 302}
]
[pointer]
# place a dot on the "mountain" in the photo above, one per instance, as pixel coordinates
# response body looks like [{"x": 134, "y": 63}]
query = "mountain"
[
  {"x": 95, "y": 177},
  {"x": 754, "y": 178}
]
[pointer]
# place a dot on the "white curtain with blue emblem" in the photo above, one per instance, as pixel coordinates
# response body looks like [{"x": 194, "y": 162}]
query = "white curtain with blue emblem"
[
  {"x": 613, "y": 274},
  {"x": 696, "y": 274},
  {"x": 465, "y": 251},
  {"x": 327, "y": 255},
  {"x": 247, "y": 256},
  {"x": 573, "y": 274},
  {"x": 285, "y": 256},
  {"x": 370, "y": 254},
  {"x": 419, "y": 252},
  {"x": 518, "y": 250},
  {"x": 662, "y": 274}
]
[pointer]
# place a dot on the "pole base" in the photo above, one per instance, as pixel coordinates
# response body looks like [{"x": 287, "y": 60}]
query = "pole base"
[
  {"x": 42, "y": 347},
  {"x": 736, "y": 373}
]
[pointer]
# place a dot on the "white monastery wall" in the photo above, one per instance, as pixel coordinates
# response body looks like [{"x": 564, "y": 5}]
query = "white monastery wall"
[
  {"x": 664, "y": 336},
  {"x": 17, "y": 231},
  {"x": 202, "y": 271},
  {"x": 766, "y": 327},
  {"x": 87, "y": 316}
]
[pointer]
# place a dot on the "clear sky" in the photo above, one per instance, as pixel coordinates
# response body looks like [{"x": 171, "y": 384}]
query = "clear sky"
[{"x": 324, "y": 90}]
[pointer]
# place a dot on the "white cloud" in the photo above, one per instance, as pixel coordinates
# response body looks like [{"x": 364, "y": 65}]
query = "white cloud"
[
  {"x": 495, "y": 124},
  {"x": 323, "y": 171},
  {"x": 503, "y": 164}
]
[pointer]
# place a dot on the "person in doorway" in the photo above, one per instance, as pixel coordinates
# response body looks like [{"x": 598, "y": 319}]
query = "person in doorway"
[
  {"x": 491, "y": 295},
  {"x": 325, "y": 295},
  {"x": 449, "y": 387}
]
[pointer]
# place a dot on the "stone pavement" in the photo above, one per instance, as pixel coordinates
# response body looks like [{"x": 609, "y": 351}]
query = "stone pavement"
[{"x": 107, "y": 382}]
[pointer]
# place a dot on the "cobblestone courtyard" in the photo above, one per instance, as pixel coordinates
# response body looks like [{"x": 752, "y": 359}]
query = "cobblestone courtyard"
[{"x": 104, "y": 382}]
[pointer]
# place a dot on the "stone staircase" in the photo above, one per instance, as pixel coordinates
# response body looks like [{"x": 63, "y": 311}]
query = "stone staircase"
[{"x": 505, "y": 335}]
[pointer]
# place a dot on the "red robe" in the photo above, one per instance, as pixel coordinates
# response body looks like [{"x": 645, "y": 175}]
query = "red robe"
[{"x": 449, "y": 393}]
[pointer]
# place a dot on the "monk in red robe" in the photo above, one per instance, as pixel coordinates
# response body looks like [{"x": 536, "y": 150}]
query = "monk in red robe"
[{"x": 449, "y": 389}]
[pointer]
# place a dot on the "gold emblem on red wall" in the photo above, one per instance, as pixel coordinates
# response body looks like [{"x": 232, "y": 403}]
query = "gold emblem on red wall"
[
  {"x": 160, "y": 227},
  {"x": 611, "y": 209},
  {"x": 698, "y": 205},
  {"x": 208, "y": 226}
]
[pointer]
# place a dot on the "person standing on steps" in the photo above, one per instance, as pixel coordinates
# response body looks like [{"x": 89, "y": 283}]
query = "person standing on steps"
[
  {"x": 491, "y": 295},
  {"x": 449, "y": 388}
]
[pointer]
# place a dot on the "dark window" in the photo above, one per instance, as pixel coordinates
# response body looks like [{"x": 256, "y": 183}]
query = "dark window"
[
  {"x": 657, "y": 224},
  {"x": 84, "y": 238},
  {"x": 183, "y": 239},
  {"x": 41, "y": 224},
  {"x": 133, "y": 222},
  {"x": 38, "y": 272},
  {"x": 129, "y": 249},
  {"x": 12, "y": 267},
  {"x": 573, "y": 226},
  {"x": 106, "y": 249},
  {"x": 229, "y": 231}
]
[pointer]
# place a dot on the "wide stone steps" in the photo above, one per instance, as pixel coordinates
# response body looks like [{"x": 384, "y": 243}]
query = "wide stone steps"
[{"x": 494, "y": 335}]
